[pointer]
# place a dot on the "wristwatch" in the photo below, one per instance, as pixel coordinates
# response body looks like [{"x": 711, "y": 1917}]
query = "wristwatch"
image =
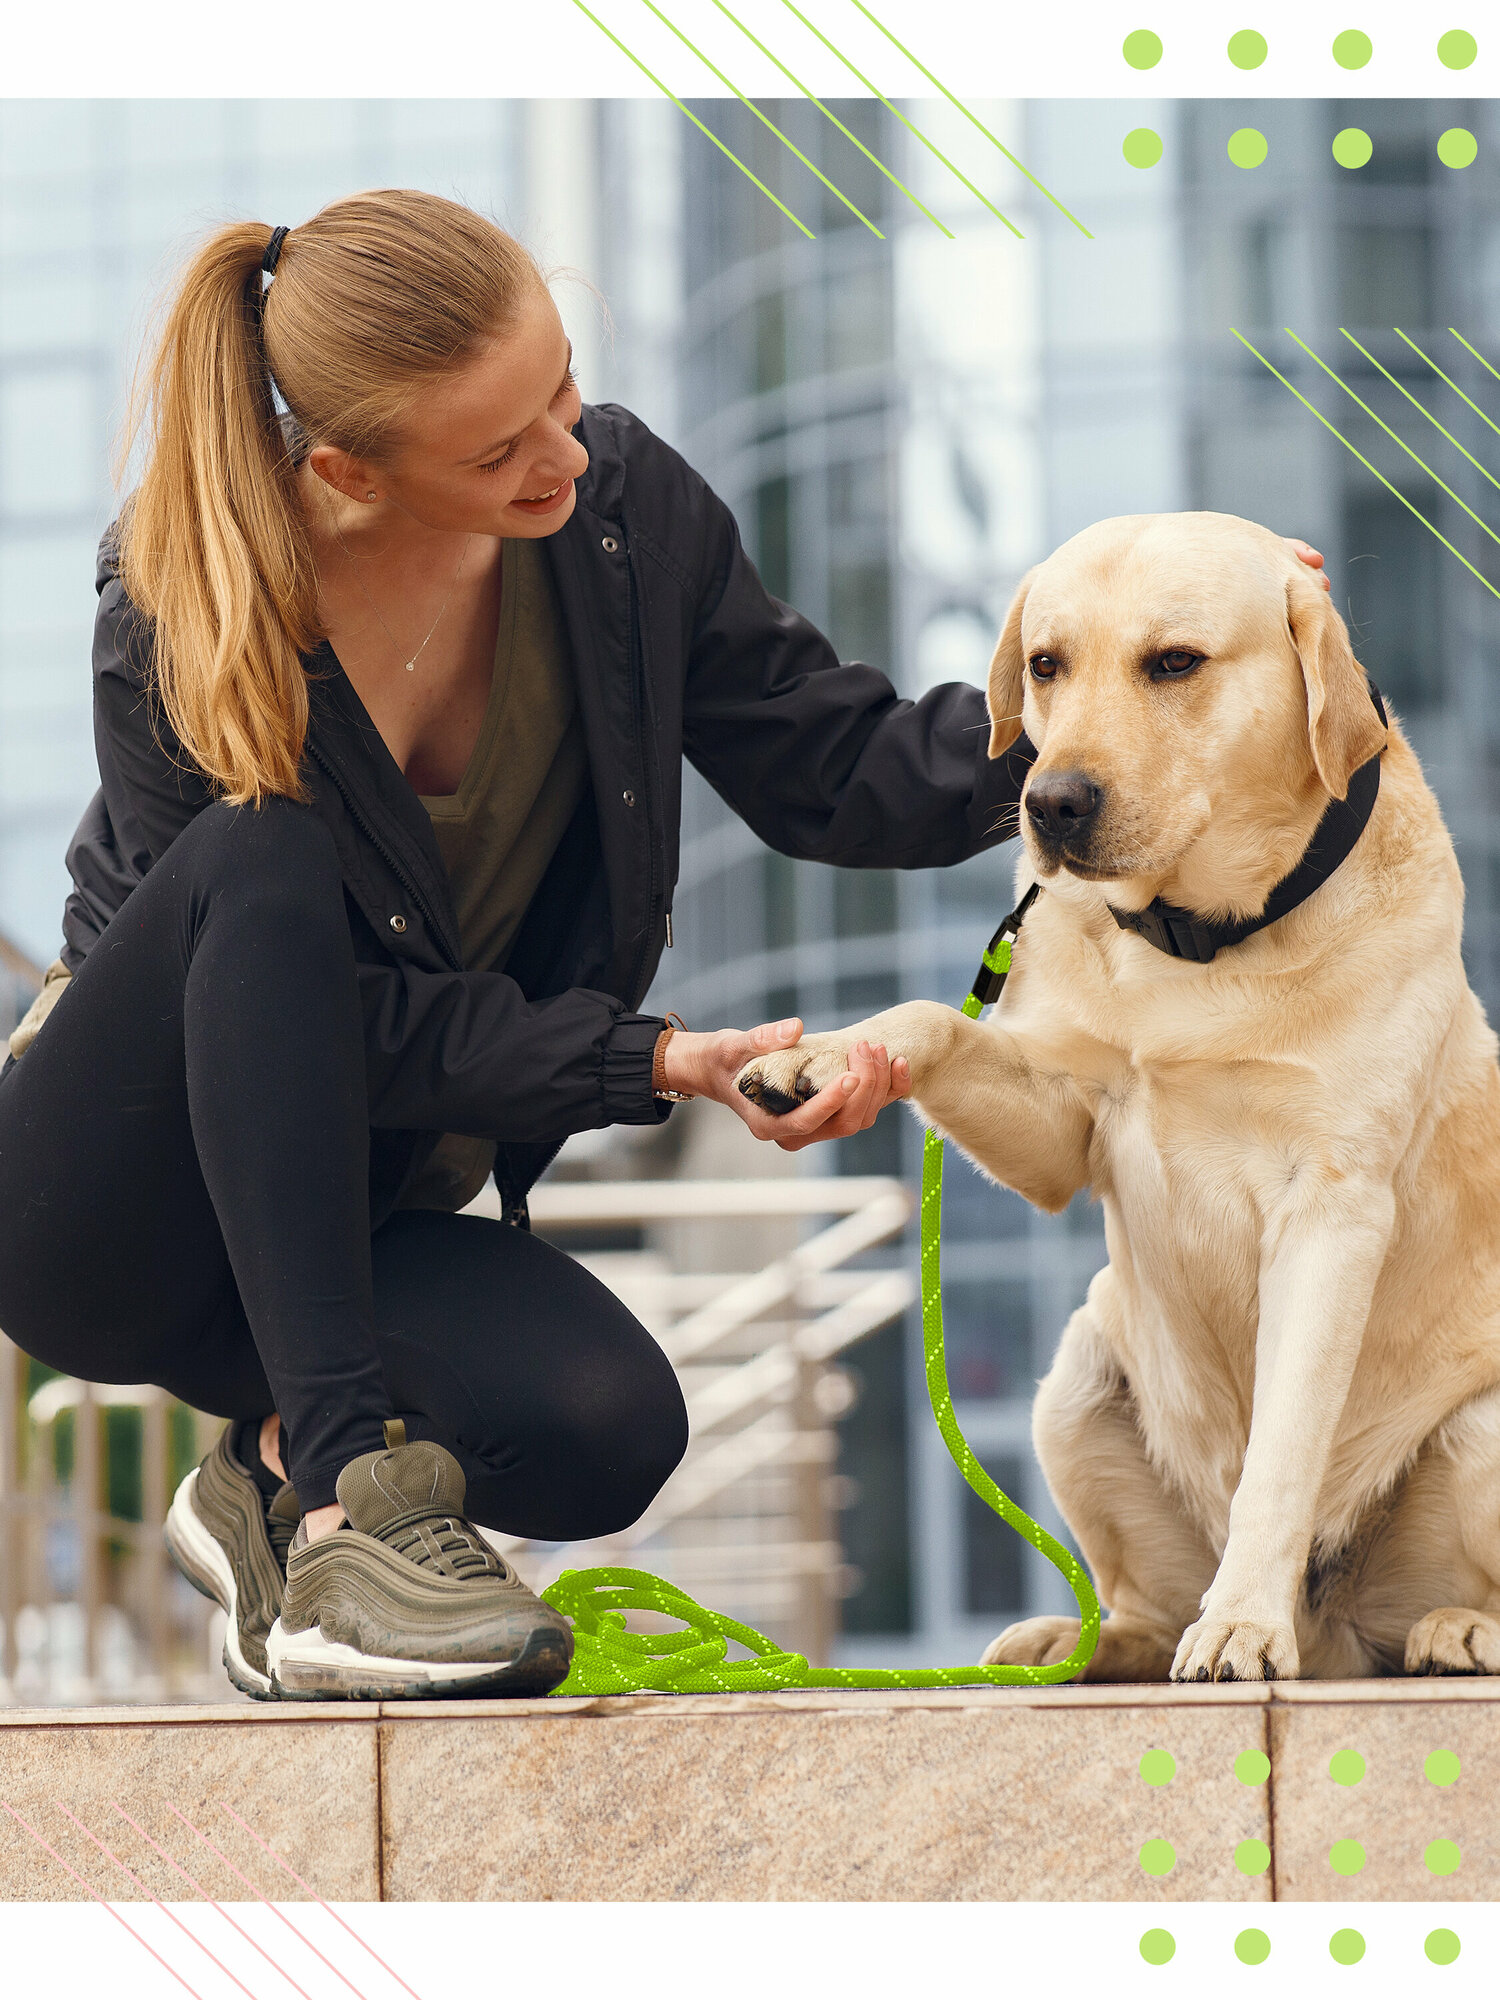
[{"x": 659, "y": 1063}]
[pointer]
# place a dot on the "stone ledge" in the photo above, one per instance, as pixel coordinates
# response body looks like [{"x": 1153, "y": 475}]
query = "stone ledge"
[{"x": 808, "y": 1795}]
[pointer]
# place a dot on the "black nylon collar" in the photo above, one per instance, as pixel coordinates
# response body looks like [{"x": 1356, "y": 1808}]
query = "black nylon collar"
[{"x": 1181, "y": 934}]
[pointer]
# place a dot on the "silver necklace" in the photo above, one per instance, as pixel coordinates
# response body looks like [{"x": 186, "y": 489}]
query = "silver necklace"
[{"x": 411, "y": 664}]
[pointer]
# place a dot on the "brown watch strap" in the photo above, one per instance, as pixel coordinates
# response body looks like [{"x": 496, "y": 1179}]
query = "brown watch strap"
[{"x": 659, "y": 1063}]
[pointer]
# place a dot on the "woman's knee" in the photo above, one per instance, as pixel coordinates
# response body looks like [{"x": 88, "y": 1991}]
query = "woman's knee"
[
  {"x": 280, "y": 850},
  {"x": 268, "y": 872}
]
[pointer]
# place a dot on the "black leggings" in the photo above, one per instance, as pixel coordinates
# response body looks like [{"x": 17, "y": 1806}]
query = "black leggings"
[{"x": 184, "y": 1200}]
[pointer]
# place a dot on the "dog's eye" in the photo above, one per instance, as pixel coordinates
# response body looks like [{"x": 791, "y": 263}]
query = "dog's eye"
[
  {"x": 1178, "y": 661},
  {"x": 1043, "y": 667}
]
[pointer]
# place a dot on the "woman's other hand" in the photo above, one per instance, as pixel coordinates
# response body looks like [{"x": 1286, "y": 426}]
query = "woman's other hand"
[
  {"x": 707, "y": 1065},
  {"x": 1304, "y": 552}
]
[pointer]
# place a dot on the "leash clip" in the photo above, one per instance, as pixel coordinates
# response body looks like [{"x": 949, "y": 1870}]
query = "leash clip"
[{"x": 989, "y": 981}]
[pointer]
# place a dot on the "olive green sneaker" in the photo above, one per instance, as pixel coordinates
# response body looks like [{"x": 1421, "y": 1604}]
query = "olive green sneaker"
[
  {"x": 227, "y": 1544},
  {"x": 408, "y": 1598}
]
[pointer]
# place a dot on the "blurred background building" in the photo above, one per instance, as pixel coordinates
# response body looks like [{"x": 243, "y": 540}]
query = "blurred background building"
[{"x": 902, "y": 422}]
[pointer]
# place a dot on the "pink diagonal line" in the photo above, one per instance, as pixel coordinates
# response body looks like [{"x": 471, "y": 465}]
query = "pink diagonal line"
[
  {"x": 174, "y": 1863},
  {"x": 301, "y": 1938},
  {"x": 102, "y": 1904},
  {"x": 171, "y": 1916},
  {"x": 290, "y": 1870}
]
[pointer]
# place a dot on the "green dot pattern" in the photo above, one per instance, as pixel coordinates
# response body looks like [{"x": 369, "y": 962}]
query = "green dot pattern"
[
  {"x": 1247, "y": 147},
  {"x": 1352, "y": 50},
  {"x": 1346, "y": 1857},
  {"x": 1158, "y": 1767},
  {"x": 1442, "y": 1768},
  {"x": 1346, "y": 1947},
  {"x": 1252, "y": 1767},
  {"x": 1456, "y": 50},
  {"x": 1142, "y": 147},
  {"x": 1158, "y": 1857},
  {"x": 1157, "y": 1947},
  {"x": 1457, "y": 148},
  {"x": 1142, "y": 50},
  {"x": 1252, "y": 1947},
  {"x": 1442, "y": 1857},
  {"x": 1442, "y": 1947},
  {"x": 1252, "y": 1857},
  {"x": 1247, "y": 49},
  {"x": 1352, "y": 148},
  {"x": 1346, "y": 1767}
]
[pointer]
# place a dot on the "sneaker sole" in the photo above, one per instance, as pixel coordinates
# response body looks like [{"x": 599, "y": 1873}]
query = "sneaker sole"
[
  {"x": 307, "y": 1667},
  {"x": 203, "y": 1562}
]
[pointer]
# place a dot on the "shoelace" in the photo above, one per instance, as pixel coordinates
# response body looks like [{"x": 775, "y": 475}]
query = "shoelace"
[{"x": 445, "y": 1543}]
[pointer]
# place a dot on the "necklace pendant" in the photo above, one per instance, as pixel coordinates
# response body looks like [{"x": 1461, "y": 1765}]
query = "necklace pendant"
[{"x": 411, "y": 666}]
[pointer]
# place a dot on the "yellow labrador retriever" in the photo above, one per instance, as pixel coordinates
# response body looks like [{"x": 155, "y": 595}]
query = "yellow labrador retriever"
[{"x": 1274, "y": 1427}]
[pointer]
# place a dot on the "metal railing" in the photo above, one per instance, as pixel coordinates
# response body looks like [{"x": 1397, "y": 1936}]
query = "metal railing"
[
  {"x": 748, "y": 1522},
  {"x": 91, "y": 1610}
]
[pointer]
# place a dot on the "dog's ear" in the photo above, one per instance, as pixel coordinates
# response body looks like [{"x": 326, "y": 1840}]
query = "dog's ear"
[
  {"x": 1342, "y": 725},
  {"x": 1007, "y": 681}
]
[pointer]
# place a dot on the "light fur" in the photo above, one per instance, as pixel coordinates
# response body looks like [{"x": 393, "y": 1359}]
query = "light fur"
[{"x": 1274, "y": 1426}]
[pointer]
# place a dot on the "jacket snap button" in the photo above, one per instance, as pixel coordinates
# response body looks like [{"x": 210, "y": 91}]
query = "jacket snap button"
[
  {"x": 398, "y": 924},
  {"x": 609, "y": 545},
  {"x": 628, "y": 797}
]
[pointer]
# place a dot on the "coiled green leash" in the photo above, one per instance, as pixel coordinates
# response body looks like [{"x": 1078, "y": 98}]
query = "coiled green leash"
[{"x": 608, "y": 1659}]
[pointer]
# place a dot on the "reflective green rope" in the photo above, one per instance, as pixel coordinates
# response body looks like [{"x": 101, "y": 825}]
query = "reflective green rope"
[{"x": 609, "y": 1660}]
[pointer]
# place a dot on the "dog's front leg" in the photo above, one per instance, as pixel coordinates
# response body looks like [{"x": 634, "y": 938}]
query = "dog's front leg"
[
  {"x": 1317, "y": 1280},
  {"x": 978, "y": 1082}
]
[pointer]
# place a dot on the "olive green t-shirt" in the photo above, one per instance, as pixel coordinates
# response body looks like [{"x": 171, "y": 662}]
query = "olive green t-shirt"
[{"x": 498, "y": 832}]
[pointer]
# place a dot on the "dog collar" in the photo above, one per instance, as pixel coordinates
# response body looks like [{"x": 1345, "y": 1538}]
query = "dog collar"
[{"x": 1181, "y": 934}]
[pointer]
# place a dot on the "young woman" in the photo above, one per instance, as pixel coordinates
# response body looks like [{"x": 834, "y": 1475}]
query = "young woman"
[{"x": 392, "y": 693}]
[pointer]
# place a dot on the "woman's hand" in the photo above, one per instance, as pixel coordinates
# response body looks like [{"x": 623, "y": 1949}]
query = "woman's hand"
[
  {"x": 707, "y": 1065},
  {"x": 1305, "y": 553}
]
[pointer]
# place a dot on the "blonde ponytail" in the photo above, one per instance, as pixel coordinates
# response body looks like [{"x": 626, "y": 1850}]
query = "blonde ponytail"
[{"x": 374, "y": 297}]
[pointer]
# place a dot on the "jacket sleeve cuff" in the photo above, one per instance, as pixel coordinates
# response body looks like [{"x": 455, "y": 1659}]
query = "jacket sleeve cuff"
[{"x": 625, "y": 1072}]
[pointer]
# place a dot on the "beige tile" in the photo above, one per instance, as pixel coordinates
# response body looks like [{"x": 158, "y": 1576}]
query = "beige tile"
[
  {"x": 1421, "y": 1689},
  {"x": 227, "y": 1712},
  {"x": 990, "y": 1799},
  {"x": 307, "y": 1787},
  {"x": 1393, "y": 1811},
  {"x": 846, "y": 1701}
]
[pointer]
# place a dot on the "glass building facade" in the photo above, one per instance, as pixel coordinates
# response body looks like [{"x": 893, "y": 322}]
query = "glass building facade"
[{"x": 902, "y": 422}]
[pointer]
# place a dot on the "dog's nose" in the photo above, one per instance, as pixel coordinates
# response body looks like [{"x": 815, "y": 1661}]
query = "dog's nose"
[{"x": 1063, "y": 806}]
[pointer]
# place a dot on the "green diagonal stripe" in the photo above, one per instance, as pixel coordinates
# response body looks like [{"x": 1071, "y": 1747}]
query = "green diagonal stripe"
[
  {"x": 1354, "y": 450},
  {"x": 1421, "y": 406},
  {"x": 651, "y": 4},
  {"x": 1448, "y": 379},
  {"x": 1477, "y": 356},
  {"x": 880, "y": 164},
  {"x": 697, "y": 121},
  {"x": 1393, "y": 435},
  {"x": 959, "y": 105},
  {"x": 899, "y": 116}
]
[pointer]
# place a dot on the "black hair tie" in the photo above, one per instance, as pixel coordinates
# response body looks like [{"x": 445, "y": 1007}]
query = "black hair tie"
[{"x": 273, "y": 250}]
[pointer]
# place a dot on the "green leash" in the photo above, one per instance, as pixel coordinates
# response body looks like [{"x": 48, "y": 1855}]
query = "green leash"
[{"x": 607, "y": 1659}]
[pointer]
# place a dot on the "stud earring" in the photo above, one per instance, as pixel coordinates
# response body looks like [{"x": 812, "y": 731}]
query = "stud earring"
[{"x": 371, "y": 494}]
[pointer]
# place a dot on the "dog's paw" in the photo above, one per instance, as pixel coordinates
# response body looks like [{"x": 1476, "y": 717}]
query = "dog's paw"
[
  {"x": 785, "y": 1078},
  {"x": 1236, "y": 1649},
  {"x": 1034, "y": 1642},
  {"x": 1454, "y": 1641}
]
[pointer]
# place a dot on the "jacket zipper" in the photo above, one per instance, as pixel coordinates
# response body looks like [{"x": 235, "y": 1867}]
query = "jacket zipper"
[
  {"x": 648, "y": 771},
  {"x": 385, "y": 854},
  {"x": 513, "y": 1207}
]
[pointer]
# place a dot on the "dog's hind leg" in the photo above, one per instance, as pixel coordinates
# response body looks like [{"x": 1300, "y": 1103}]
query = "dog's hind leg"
[
  {"x": 1461, "y": 1549},
  {"x": 1150, "y": 1562}
]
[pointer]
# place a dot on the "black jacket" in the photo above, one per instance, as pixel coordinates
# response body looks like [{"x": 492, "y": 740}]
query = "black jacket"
[{"x": 678, "y": 650}]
